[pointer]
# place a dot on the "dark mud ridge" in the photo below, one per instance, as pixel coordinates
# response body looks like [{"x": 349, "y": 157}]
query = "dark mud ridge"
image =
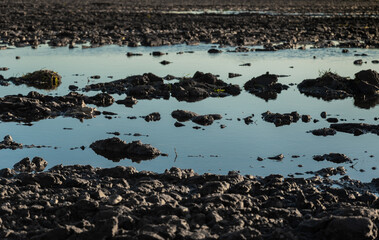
[
  {"x": 205, "y": 120},
  {"x": 67, "y": 23},
  {"x": 265, "y": 86},
  {"x": 356, "y": 128},
  {"x": 36, "y": 106},
  {"x": 364, "y": 88},
  {"x": 284, "y": 119},
  {"x": 116, "y": 149},
  {"x": 42, "y": 79},
  {"x": 149, "y": 86},
  {"x": 9, "y": 143},
  {"x": 82, "y": 202},
  {"x": 352, "y": 128}
]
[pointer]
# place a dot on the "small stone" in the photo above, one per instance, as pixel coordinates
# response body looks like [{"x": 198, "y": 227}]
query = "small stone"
[
  {"x": 114, "y": 199},
  {"x": 8, "y": 139},
  {"x": 130, "y": 54},
  {"x": 332, "y": 120},
  {"x": 278, "y": 157},
  {"x": 233, "y": 75},
  {"x": 7, "y": 173},
  {"x": 204, "y": 120},
  {"x": 213, "y": 51},
  {"x": 324, "y": 132},
  {"x": 40, "y": 164},
  {"x": 306, "y": 118},
  {"x": 183, "y": 115},
  {"x": 155, "y": 116},
  {"x": 24, "y": 166},
  {"x": 178, "y": 124},
  {"x": 358, "y": 62},
  {"x": 214, "y": 187},
  {"x": 157, "y": 54},
  {"x": 164, "y": 62},
  {"x": 73, "y": 87}
]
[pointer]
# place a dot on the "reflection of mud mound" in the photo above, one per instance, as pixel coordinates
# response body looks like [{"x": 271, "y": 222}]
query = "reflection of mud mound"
[
  {"x": 324, "y": 132},
  {"x": 356, "y": 128},
  {"x": 265, "y": 86},
  {"x": 205, "y": 120},
  {"x": 42, "y": 79},
  {"x": 267, "y": 95},
  {"x": 128, "y": 101},
  {"x": 366, "y": 103},
  {"x": 116, "y": 149},
  {"x": 364, "y": 88}
]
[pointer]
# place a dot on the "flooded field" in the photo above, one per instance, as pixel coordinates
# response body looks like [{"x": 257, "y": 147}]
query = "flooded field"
[
  {"x": 189, "y": 119},
  {"x": 227, "y": 144}
]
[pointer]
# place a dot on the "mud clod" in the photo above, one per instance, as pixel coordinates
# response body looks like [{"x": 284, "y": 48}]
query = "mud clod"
[
  {"x": 116, "y": 149},
  {"x": 265, "y": 86}
]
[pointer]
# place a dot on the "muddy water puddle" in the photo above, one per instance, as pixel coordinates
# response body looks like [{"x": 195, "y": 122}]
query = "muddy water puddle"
[{"x": 209, "y": 148}]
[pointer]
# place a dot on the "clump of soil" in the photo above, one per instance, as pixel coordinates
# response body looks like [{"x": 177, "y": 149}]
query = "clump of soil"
[
  {"x": 150, "y": 86},
  {"x": 184, "y": 115},
  {"x": 42, "y": 79},
  {"x": 364, "y": 88},
  {"x": 265, "y": 86},
  {"x": 35, "y": 106},
  {"x": 116, "y": 149}
]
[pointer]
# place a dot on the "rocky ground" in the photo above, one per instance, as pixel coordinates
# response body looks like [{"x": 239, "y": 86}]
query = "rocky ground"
[
  {"x": 82, "y": 202},
  {"x": 276, "y": 24}
]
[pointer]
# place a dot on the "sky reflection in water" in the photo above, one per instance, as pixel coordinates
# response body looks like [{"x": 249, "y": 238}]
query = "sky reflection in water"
[{"x": 213, "y": 149}]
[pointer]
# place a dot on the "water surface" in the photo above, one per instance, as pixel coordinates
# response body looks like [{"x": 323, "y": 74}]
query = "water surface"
[{"x": 210, "y": 149}]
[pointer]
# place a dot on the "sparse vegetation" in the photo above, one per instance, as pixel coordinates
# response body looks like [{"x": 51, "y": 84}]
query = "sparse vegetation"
[
  {"x": 218, "y": 90},
  {"x": 323, "y": 73}
]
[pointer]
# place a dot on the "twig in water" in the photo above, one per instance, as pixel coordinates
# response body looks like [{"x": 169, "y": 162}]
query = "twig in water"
[
  {"x": 353, "y": 166},
  {"x": 176, "y": 155}
]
